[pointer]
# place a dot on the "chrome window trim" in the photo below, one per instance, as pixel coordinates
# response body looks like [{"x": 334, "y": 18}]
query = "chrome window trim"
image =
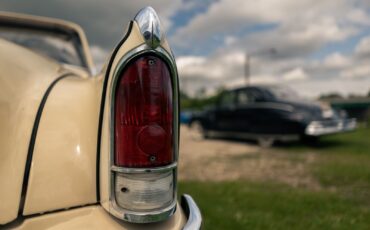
[
  {"x": 268, "y": 105},
  {"x": 114, "y": 209}
]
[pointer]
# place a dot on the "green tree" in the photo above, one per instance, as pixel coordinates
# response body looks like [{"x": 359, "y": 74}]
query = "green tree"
[{"x": 329, "y": 96}]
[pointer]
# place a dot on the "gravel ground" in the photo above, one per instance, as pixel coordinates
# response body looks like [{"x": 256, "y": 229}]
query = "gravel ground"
[{"x": 222, "y": 160}]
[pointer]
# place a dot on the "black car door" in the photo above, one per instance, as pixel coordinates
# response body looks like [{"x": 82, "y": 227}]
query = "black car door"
[
  {"x": 255, "y": 114},
  {"x": 244, "y": 114},
  {"x": 224, "y": 114}
]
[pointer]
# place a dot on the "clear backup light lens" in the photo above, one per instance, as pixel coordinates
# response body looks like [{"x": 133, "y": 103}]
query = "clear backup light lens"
[{"x": 144, "y": 192}]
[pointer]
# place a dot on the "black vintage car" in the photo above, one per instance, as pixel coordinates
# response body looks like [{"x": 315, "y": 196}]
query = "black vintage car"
[{"x": 268, "y": 114}]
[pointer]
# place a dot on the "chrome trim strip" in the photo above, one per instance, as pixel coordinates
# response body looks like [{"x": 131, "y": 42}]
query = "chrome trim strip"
[
  {"x": 269, "y": 105},
  {"x": 143, "y": 170},
  {"x": 319, "y": 128},
  {"x": 192, "y": 212},
  {"x": 164, "y": 213},
  {"x": 142, "y": 217}
]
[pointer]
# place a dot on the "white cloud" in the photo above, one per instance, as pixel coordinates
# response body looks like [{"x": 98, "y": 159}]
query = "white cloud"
[
  {"x": 363, "y": 47},
  {"x": 188, "y": 62},
  {"x": 359, "y": 16},
  {"x": 337, "y": 60},
  {"x": 302, "y": 20},
  {"x": 300, "y": 28},
  {"x": 229, "y": 40},
  {"x": 227, "y": 15},
  {"x": 297, "y": 74},
  {"x": 313, "y": 88},
  {"x": 218, "y": 67},
  {"x": 198, "y": 72},
  {"x": 360, "y": 71},
  {"x": 296, "y": 38}
]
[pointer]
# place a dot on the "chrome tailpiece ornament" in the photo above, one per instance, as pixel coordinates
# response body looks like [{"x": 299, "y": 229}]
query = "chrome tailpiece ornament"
[{"x": 150, "y": 26}]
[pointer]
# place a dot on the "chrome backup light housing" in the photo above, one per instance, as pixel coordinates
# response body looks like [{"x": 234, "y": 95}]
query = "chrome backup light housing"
[{"x": 149, "y": 26}]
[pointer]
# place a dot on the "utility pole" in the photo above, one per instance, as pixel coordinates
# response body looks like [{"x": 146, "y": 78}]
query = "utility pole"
[
  {"x": 247, "y": 70},
  {"x": 247, "y": 63}
]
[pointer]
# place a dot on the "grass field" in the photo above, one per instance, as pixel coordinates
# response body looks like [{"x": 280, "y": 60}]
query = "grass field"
[{"x": 342, "y": 167}]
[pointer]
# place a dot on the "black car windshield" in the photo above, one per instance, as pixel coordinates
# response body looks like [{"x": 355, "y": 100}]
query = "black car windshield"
[
  {"x": 284, "y": 93},
  {"x": 60, "y": 48}
]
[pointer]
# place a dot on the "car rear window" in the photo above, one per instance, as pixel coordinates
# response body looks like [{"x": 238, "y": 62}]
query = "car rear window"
[{"x": 60, "y": 48}]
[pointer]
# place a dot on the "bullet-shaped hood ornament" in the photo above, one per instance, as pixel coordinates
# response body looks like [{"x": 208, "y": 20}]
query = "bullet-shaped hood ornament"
[{"x": 150, "y": 26}]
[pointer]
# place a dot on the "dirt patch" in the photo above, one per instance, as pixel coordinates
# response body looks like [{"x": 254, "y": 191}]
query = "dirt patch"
[{"x": 220, "y": 160}]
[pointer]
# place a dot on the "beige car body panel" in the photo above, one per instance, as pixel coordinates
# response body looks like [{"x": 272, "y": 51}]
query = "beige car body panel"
[
  {"x": 64, "y": 158},
  {"x": 20, "y": 97},
  {"x": 63, "y": 168},
  {"x": 94, "y": 217}
]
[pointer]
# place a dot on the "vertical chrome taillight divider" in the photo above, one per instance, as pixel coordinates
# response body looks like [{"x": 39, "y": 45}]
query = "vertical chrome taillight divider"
[{"x": 144, "y": 216}]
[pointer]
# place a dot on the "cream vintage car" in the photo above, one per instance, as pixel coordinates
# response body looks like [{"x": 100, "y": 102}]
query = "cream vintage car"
[{"x": 88, "y": 151}]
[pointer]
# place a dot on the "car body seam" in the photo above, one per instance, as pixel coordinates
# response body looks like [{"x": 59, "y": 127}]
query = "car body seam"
[{"x": 32, "y": 142}]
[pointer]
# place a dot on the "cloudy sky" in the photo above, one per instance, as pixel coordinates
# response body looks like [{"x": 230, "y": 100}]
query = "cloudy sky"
[{"x": 313, "y": 46}]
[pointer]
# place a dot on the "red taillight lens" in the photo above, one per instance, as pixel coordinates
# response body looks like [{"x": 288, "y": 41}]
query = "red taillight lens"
[{"x": 144, "y": 114}]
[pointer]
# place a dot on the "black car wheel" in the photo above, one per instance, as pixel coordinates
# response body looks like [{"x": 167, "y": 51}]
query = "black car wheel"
[
  {"x": 265, "y": 142},
  {"x": 310, "y": 140}
]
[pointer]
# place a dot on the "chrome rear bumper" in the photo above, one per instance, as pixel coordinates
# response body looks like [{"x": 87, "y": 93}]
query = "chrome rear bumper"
[
  {"x": 192, "y": 212},
  {"x": 319, "y": 128}
]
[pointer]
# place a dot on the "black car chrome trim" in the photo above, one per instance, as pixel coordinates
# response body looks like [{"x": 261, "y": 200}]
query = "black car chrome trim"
[
  {"x": 271, "y": 105},
  {"x": 102, "y": 104},
  {"x": 31, "y": 145},
  {"x": 325, "y": 127},
  {"x": 192, "y": 212}
]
